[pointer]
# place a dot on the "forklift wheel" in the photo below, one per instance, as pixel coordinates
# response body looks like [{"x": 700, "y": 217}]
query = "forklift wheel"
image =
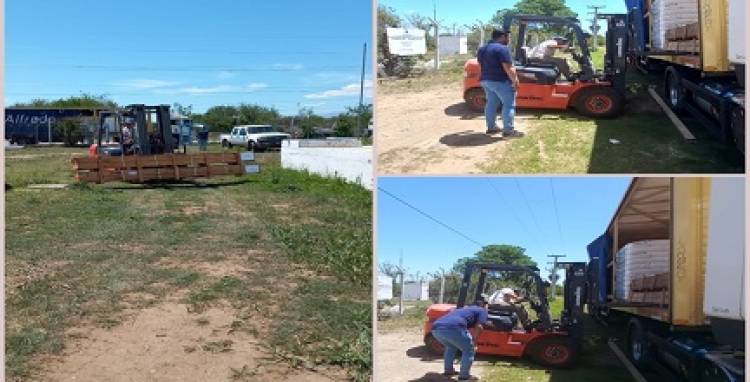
[
  {"x": 598, "y": 102},
  {"x": 557, "y": 352},
  {"x": 475, "y": 99},
  {"x": 433, "y": 345}
]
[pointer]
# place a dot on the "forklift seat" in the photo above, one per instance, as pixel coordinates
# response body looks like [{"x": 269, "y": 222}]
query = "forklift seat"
[
  {"x": 502, "y": 322},
  {"x": 538, "y": 74}
]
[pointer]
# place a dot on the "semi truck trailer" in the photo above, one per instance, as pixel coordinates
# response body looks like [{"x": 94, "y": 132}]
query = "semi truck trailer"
[
  {"x": 670, "y": 268},
  {"x": 698, "y": 48}
]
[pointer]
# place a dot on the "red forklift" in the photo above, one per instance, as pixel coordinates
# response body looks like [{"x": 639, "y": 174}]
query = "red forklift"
[
  {"x": 548, "y": 342},
  {"x": 598, "y": 94}
]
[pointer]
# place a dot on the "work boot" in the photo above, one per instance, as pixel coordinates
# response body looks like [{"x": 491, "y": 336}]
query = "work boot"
[
  {"x": 469, "y": 378},
  {"x": 492, "y": 131},
  {"x": 450, "y": 373},
  {"x": 513, "y": 134}
]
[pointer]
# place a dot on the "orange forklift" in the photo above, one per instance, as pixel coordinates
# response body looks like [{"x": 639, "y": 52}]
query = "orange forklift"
[
  {"x": 589, "y": 92},
  {"x": 548, "y": 342}
]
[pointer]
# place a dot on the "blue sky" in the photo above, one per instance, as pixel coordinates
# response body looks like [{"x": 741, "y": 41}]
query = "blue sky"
[
  {"x": 281, "y": 53},
  {"x": 498, "y": 215},
  {"x": 461, "y": 13}
]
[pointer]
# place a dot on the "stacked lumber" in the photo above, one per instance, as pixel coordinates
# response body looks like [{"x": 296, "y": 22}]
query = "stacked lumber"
[
  {"x": 162, "y": 167},
  {"x": 670, "y": 19},
  {"x": 637, "y": 260},
  {"x": 652, "y": 289},
  {"x": 684, "y": 38}
]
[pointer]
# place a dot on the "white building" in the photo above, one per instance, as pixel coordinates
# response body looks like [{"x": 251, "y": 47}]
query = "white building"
[
  {"x": 453, "y": 44},
  {"x": 385, "y": 287},
  {"x": 419, "y": 291}
]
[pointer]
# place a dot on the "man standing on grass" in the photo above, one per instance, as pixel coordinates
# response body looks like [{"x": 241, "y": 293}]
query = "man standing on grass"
[
  {"x": 500, "y": 83},
  {"x": 452, "y": 330}
]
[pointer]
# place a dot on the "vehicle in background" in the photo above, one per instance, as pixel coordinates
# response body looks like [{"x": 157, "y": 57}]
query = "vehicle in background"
[
  {"x": 682, "y": 294},
  {"x": 30, "y": 125},
  {"x": 254, "y": 137},
  {"x": 698, "y": 47}
]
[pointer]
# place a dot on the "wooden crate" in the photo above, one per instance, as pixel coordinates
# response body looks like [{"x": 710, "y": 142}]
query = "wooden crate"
[{"x": 146, "y": 168}]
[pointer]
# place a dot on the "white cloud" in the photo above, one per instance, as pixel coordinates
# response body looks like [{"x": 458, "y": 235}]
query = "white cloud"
[
  {"x": 143, "y": 84},
  {"x": 289, "y": 66},
  {"x": 198, "y": 90},
  {"x": 225, "y": 75},
  {"x": 346, "y": 90},
  {"x": 256, "y": 86}
]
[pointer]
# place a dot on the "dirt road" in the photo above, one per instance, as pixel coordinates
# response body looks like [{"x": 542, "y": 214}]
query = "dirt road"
[
  {"x": 400, "y": 356},
  {"x": 433, "y": 132}
]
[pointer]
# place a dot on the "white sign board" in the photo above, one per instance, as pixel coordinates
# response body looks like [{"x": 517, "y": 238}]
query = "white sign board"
[
  {"x": 406, "y": 42},
  {"x": 385, "y": 287}
]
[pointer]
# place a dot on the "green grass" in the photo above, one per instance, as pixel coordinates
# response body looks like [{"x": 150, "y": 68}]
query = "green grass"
[
  {"x": 74, "y": 256},
  {"x": 646, "y": 142},
  {"x": 595, "y": 361}
]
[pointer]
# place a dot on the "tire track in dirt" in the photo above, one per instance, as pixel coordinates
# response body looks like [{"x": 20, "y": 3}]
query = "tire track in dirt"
[{"x": 433, "y": 132}]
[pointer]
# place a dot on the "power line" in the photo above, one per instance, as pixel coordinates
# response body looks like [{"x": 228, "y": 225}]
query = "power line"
[
  {"x": 528, "y": 206},
  {"x": 123, "y": 68},
  {"x": 430, "y": 217},
  {"x": 557, "y": 216},
  {"x": 507, "y": 207}
]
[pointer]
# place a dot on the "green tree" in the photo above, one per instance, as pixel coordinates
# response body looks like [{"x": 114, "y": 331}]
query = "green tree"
[
  {"x": 392, "y": 64},
  {"x": 496, "y": 253},
  {"x": 84, "y": 100},
  {"x": 534, "y": 7},
  {"x": 220, "y": 118},
  {"x": 71, "y": 130}
]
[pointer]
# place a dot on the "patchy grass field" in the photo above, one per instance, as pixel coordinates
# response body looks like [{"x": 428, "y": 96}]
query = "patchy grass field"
[{"x": 287, "y": 253}]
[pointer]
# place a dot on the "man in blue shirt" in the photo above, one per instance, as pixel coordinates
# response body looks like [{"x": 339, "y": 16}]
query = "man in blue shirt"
[
  {"x": 452, "y": 330},
  {"x": 500, "y": 83}
]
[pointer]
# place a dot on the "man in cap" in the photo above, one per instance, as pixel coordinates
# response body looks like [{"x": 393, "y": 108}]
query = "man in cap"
[
  {"x": 508, "y": 298},
  {"x": 545, "y": 53},
  {"x": 458, "y": 330}
]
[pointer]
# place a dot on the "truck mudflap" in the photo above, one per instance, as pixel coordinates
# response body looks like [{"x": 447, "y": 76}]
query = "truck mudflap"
[{"x": 694, "y": 358}]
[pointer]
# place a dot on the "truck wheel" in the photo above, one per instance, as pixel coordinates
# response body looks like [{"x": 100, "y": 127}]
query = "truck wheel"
[
  {"x": 638, "y": 347},
  {"x": 737, "y": 123},
  {"x": 555, "y": 351},
  {"x": 598, "y": 102},
  {"x": 673, "y": 91},
  {"x": 225, "y": 143},
  {"x": 475, "y": 99},
  {"x": 251, "y": 145},
  {"x": 433, "y": 345}
]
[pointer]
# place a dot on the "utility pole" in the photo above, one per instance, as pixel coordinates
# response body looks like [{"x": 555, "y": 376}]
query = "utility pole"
[
  {"x": 442, "y": 286},
  {"x": 595, "y": 25},
  {"x": 361, "y": 90},
  {"x": 481, "y": 33},
  {"x": 553, "y": 275},
  {"x": 401, "y": 294},
  {"x": 437, "y": 34}
]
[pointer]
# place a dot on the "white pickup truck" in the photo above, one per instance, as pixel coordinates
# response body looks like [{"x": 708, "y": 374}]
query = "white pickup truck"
[{"x": 254, "y": 137}]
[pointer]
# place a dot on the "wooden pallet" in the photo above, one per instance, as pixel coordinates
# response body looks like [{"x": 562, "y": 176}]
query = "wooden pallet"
[{"x": 163, "y": 167}]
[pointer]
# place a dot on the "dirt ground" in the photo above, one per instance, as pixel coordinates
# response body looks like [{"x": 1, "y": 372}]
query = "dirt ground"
[
  {"x": 400, "y": 356},
  {"x": 419, "y": 134},
  {"x": 168, "y": 343}
]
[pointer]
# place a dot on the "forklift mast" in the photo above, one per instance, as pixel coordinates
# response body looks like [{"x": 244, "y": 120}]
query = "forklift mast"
[
  {"x": 151, "y": 136},
  {"x": 615, "y": 60},
  {"x": 587, "y": 67},
  {"x": 484, "y": 269}
]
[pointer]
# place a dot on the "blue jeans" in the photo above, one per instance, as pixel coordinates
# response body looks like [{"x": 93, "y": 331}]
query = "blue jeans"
[
  {"x": 454, "y": 340},
  {"x": 498, "y": 92}
]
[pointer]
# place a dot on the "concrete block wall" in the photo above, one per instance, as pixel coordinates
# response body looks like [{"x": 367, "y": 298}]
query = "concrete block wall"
[{"x": 346, "y": 159}]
